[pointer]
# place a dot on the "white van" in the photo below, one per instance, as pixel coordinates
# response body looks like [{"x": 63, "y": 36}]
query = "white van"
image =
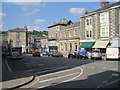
[{"x": 113, "y": 53}]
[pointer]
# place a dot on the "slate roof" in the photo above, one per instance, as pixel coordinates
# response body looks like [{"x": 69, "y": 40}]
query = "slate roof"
[
  {"x": 17, "y": 30},
  {"x": 77, "y": 24},
  {"x": 104, "y": 8},
  {"x": 60, "y": 23}
]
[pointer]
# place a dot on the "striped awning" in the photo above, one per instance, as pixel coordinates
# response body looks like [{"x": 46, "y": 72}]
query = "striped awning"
[{"x": 101, "y": 44}]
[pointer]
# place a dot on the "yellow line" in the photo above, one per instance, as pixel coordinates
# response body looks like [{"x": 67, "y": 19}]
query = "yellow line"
[{"x": 32, "y": 83}]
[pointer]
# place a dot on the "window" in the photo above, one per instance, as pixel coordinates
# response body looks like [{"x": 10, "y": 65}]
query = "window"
[
  {"x": 66, "y": 46},
  {"x": 60, "y": 35},
  {"x": 104, "y": 32},
  {"x": 65, "y": 34},
  {"x": 70, "y": 47},
  {"x": 87, "y": 22},
  {"x": 88, "y": 33},
  {"x": 107, "y": 31},
  {"x": 70, "y": 33},
  {"x": 90, "y": 21},
  {"x": 75, "y": 46},
  {"x": 75, "y": 32},
  {"x": 18, "y": 35}
]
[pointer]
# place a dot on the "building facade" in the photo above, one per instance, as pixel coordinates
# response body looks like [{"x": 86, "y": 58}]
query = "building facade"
[
  {"x": 69, "y": 37},
  {"x": 18, "y": 37},
  {"x": 44, "y": 44},
  {"x": 100, "y": 26},
  {"x": 53, "y": 33}
]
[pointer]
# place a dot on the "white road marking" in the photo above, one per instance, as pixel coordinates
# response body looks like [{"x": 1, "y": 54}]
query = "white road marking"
[
  {"x": 64, "y": 76},
  {"x": 8, "y": 66},
  {"x": 83, "y": 66},
  {"x": 59, "y": 71},
  {"x": 58, "y": 77}
]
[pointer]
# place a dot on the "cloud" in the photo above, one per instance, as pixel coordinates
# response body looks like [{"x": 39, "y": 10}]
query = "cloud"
[
  {"x": 77, "y": 11},
  {"x": 26, "y": 3},
  {"x": 2, "y": 14},
  {"x": 39, "y": 21},
  {"x": 32, "y": 12},
  {"x": 21, "y": 1},
  {"x": 37, "y": 28},
  {"x": 24, "y": 8}
]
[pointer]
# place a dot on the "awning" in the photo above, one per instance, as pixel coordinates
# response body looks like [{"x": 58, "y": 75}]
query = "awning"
[
  {"x": 53, "y": 47},
  {"x": 100, "y": 44},
  {"x": 87, "y": 44}
]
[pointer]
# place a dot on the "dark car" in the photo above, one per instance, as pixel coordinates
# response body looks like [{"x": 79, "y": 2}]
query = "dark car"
[
  {"x": 72, "y": 55},
  {"x": 57, "y": 54},
  {"x": 36, "y": 53}
]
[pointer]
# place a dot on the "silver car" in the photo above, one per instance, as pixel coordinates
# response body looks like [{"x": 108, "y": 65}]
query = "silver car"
[{"x": 96, "y": 54}]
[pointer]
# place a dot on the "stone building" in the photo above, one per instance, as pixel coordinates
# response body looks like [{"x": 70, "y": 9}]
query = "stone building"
[
  {"x": 31, "y": 44},
  {"x": 44, "y": 44},
  {"x": 100, "y": 26},
  {"x": 18, "y": 37},
  {"x": 53, "y": 33},
  {"x": 69, "y": 38}
]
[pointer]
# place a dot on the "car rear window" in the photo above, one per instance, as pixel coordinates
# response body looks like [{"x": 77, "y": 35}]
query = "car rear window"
[{"x": 96, "y": 51}]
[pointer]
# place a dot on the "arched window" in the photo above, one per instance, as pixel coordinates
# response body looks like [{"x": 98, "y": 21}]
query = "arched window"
[
  {"x": 66, "y": 46},
  {"x": 70, "y": 47}
]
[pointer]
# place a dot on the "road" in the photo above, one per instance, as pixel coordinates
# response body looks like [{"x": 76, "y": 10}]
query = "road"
[{"x": 63, "y": 72}]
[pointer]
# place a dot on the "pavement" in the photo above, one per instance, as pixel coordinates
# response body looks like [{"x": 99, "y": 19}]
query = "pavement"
[{"x": 12, "y": 84}]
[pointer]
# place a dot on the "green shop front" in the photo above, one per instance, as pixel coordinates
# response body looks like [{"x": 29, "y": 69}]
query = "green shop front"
[
  {"x": 53, "y": 48},
  {"x": 87, "y": 45}
]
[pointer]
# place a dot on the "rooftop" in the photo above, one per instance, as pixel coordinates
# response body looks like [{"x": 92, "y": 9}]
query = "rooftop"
[
  {"x": 104, "y": 8},
  {"x": 18, "y": 29}
]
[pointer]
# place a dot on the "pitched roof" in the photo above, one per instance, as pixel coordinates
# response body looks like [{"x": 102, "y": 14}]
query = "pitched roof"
[
  {"x": 60, "y": 23},
  {"x": 77, "y": 24},
  {"x": 104, "y": 8},
  {"x": 17, "y": 29}
]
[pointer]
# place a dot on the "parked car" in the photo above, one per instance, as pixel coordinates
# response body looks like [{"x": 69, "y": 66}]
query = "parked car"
[
  {"x": 36, "y": 53},
  {"x": 50, "y": 53},
  {"x": 96, "y": 54},
  {"x": 57, "y": 54},
  {"x": 44, "y": 53},
  {"x": 72, "y": 55},
  {"x": 82, "y": 54}
]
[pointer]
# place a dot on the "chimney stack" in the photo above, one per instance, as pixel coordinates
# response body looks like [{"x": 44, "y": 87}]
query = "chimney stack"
[{"x": 104, "y": 3}]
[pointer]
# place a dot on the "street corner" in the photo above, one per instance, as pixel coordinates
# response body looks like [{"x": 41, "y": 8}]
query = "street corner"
[{"x": 16, "y": 83}]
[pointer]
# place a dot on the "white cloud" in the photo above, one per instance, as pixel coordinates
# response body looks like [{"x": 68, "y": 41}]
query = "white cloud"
[
  {"x": 32, "y": 12},
  {"x": 21, "y": 0},
  {"x": 37, "y": 28},
  {"x": 25, "y": 3},
  {"x": 24, "y": 8},
  {"x": 39, "y": 21},
  {"x": 2, "y": 14},
  {"x": 77, "y": 11}
]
